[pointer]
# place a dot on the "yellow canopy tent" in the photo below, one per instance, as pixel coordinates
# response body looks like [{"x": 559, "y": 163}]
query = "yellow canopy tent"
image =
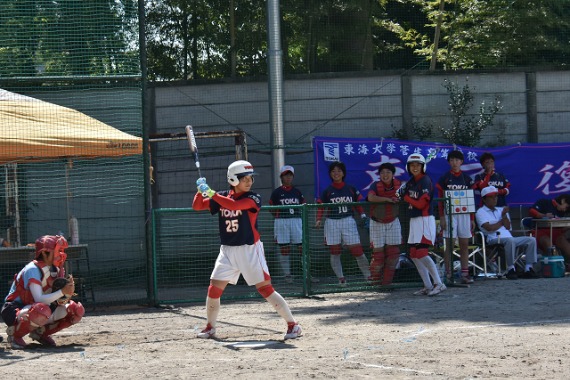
[{"x": 32, "y": 130}]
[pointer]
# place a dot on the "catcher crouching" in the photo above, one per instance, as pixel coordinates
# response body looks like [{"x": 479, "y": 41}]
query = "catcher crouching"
[{"x": 39, "y": 302}]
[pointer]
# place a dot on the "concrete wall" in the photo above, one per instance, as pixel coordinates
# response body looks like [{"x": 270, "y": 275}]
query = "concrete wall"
[{"x": 536, "y": 108}]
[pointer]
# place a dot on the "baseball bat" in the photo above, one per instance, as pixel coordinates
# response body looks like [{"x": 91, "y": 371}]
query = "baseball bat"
[{"x": 193, "y": 148}]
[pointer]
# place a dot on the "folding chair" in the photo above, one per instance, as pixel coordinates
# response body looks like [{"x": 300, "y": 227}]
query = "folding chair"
[
  {"x": 476, "y": 254},
  {"x": 489, "y": 254},
  {"x": 494, "y": 255},
  {"x": 527, "y": 227}
]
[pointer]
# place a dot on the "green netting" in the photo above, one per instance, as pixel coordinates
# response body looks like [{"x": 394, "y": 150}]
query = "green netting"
[
  {"x": 68, "y": 38},
  {"x": 81, "y": 55}
]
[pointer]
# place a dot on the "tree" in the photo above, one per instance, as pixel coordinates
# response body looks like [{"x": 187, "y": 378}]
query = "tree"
[
  {"x": 331, "y": 35},
  {"x": 495, "y": 33},
  {"x": 465, "y": 129}
]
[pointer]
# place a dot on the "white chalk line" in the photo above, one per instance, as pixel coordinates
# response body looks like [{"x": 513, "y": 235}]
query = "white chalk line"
[
  {"x": 422, "y": 330},
  {"x": 510, "y": 324}
]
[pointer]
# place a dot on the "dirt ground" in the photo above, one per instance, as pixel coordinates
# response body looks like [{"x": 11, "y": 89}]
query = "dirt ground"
[{"x": 494, "y": 329}]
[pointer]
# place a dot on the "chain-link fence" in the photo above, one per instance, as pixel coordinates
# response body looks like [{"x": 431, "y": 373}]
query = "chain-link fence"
[{"x": 186, "y": 245}]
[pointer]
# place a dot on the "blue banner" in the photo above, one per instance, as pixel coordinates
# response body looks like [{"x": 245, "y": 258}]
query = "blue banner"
[{"x": 535, "y": 171}]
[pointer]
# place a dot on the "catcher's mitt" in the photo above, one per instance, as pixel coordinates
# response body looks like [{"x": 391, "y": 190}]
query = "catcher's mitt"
[{"x": 58, "y": 284}]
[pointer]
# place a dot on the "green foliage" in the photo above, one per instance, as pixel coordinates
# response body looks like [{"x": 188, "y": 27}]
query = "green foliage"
[
  {"x": 464, "y": 129},
  {"x": 494, "y": 33},
  {"x": 193, "y": 39}
]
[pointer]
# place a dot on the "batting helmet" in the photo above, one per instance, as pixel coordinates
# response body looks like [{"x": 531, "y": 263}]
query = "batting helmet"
[
  {"x": 239, "y": 169},
  {"x": 416, "y": 157}
]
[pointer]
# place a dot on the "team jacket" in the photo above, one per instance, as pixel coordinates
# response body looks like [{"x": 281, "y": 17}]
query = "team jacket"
[
  {"x": 545, "y": 206},
  {"x": 284, "y": 196}
]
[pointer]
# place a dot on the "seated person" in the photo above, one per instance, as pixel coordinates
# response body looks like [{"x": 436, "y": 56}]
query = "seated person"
[
  {"x": 495, "y": 223},
  {"x": 552, "y": 208}
]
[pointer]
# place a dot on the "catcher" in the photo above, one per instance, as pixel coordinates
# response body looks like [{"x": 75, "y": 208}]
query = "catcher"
[{"x": 39, "y": 302}]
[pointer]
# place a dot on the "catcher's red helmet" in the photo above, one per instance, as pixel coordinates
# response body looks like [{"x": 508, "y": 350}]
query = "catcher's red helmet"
[{"x": 55, "y": 243}]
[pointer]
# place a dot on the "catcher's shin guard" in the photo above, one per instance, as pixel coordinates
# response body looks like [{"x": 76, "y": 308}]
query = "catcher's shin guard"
[
  {"x": 376, "y": 266},
  {"x": 392, "y": 258},
  {"x": 75, "y": 311},
  {"x": 28, "y": 319}
]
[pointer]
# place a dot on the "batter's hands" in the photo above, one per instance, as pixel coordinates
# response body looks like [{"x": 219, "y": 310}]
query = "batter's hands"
[{"x": 205, "y": 190}]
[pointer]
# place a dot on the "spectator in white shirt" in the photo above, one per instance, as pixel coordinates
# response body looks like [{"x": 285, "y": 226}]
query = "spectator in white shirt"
[{"x": 495, "y": 223}]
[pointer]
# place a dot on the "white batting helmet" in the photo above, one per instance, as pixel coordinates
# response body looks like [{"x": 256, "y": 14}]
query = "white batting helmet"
[
  {"x": 416, "y": 157},
  {"x": 239, "y": 169}
]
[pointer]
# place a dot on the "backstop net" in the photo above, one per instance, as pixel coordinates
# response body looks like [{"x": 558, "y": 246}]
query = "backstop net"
[{"x": 70, "y": 94}]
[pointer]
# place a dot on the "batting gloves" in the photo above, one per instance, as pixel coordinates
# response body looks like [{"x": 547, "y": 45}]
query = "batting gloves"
[
  {"x": 205, "y": 190},
  {"x": 200, "y": 181}
]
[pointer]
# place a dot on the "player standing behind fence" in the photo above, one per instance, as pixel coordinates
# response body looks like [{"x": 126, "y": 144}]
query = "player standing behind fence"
[
  {"x": 418, "y": 192},
  {"x": 463, "y": 224},
  {"x": 385, "y": 228},
  {"x": 287, "y": 226},
  {"x": 490, "y": 177},
  {"x": 241, "y": 251},
  {"x": 340, "y": 226}
]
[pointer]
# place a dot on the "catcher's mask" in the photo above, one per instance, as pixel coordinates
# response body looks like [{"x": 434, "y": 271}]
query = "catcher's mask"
[{"x": 52, "y": 243}]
